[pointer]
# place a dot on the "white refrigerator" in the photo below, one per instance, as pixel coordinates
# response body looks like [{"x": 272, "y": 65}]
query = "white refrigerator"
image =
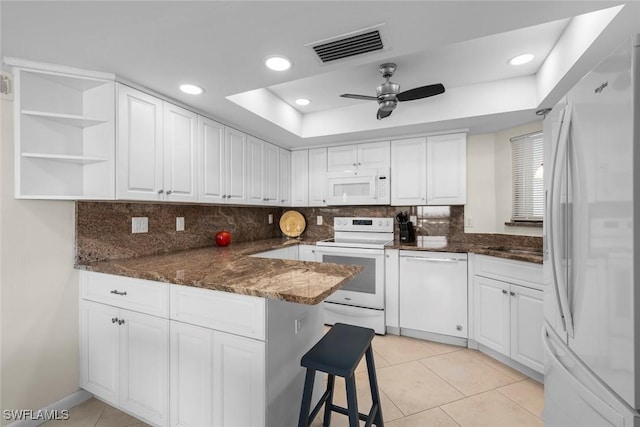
[{"x": 592, "y": 298}]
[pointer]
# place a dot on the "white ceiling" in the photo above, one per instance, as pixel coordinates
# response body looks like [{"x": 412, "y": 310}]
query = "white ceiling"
[{"x": 221, "y": 46}]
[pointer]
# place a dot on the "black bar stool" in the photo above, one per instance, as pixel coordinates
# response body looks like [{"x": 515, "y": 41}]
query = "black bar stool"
[{"x": 338, "y": 353}]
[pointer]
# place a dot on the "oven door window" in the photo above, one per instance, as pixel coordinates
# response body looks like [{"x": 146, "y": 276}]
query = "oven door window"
[{"x": 365, "y": 282}]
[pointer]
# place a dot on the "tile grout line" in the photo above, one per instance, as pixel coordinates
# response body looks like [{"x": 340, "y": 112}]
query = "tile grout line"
[{"x": 523, "y": 407}]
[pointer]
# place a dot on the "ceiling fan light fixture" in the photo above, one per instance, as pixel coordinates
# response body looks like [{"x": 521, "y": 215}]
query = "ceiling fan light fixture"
[
  {"x": 521, "y": 59},
  {"x": 277, "y": 63},
  {"x": 303, "y": 101},
  {"x": 191, "y": 89}
]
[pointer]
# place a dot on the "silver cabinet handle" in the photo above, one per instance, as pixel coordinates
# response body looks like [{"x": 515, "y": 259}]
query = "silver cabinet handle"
[
  {"x": 160, "y": 191},
  {"x": 504, "y": 291},
  {"x": 169, "y": 192},
  {"x": 117, "y": 292},
  {"x": 114, "y": 319}
]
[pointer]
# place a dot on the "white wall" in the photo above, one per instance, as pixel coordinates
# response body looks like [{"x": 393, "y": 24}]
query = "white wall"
[
  {"x": 39, "y": 292},
  {"x": 489, "y": 182}
]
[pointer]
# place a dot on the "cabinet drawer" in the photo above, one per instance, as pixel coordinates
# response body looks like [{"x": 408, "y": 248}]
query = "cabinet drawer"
[
  {"x": 144, "y": 296},
  {"x": 519, "y": 272},
  {"x": 237, "y": 314}
]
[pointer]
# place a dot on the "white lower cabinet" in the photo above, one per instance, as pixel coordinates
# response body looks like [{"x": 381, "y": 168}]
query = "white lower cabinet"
[
  {"x": 125, "y": 360},
  {"x": 217, "y": 379},
  {"x": 508, "y": 317}
]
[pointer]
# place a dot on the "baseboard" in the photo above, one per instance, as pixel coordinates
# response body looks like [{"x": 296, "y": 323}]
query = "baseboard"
[
  {"x": 393, "y": 330},
  {"x": 431, "y": 336},
  {"x": 66, "y": 403},
  {"x": 512, "y": 364}
]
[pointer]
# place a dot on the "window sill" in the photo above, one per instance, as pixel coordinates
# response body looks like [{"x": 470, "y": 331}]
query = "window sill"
[{"x": 524, "y": 224}]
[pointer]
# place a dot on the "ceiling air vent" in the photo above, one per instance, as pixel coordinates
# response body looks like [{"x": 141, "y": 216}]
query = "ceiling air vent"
[{"x": 350, "y": 46}]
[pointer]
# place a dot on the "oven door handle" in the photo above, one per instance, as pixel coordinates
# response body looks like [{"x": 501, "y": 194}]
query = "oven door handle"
[
  {"x": 424, "y": 259},
  {"x": 348, "y": 252}
]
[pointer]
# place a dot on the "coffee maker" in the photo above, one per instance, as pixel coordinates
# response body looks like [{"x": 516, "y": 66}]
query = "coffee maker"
[{"x": 407, "y": 234}]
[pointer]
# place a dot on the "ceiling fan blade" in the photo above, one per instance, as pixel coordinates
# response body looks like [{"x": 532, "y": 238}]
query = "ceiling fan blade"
[
  {"x": 421, "y": 92},
  {"x": 382, "y": 114},
  {"x": 364, "y": 97}
]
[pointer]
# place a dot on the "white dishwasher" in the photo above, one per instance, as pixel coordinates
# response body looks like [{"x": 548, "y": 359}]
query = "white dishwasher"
[{"x": 433, "y": 296}]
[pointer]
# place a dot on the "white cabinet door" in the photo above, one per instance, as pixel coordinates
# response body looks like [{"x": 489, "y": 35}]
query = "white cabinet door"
[
  {"x": 144, "y": 366},
  {"x": 191, "y": 375},
  {"x": 392, "y": 288},
  {"x": 492, "y": 314},
  {"x": 255, "y": 171},
  {"x": 307, "y": 253},
  {"x": 211, "y": 162},
  {"x": 99, "y": 345},
  {"x": 317, "y": 177},
  {"x": 447, "y": 169},
  {"x": 374, "y": 155},
  {"x": 300, "y": 178},
  {"x": 409, "y": 172},
  {"x": 139, "y": 149},
  {"x": 342, "y": 158},
  {"x": 270, "y": 174},
  {"x": 236, "y": 155},
  {"x": 240, "y": 381},
  {"x": 284, "y": 177},
  {"x": 526, "y": 323},
  {"x": 180, "y": 154}
]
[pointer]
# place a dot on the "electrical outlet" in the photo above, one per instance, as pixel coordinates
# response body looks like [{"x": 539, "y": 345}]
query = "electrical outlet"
[
  {"x": 468, "y": 221},
  {"x": 139, "y": 224},
  {"x": 180, "y": 223},
  {"x": 270, "y": 218},
  {"x": 300, "y": 323},
  {"x": 319, "y": 220}
]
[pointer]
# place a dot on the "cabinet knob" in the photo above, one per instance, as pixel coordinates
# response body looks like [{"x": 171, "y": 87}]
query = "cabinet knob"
[
  {"x": 160, "y": 191},
  {"x": 120, "y": 322},
  {"x": 114, "y": 319},
  {"x": 459, "y": 327},
  {"x": 504, "y": 291},
  {"x": 117, "y": 292},
  {"x": 512, "y": 293},
  {"x": 355, "y": 164},
  {"x": 282, "y": 201},
  {"x": 359, "y": 164},
  {"x": 169, "y": 192},
  {"x": 224, "y": 196}
]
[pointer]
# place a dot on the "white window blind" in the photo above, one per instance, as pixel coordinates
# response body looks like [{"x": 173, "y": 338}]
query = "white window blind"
[{"x": 528, "y": 190}]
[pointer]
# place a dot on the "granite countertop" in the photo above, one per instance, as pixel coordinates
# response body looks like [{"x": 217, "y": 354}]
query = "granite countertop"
[
  {"x": 514, "y": 253},
  {"x": 232, "y": 269}
]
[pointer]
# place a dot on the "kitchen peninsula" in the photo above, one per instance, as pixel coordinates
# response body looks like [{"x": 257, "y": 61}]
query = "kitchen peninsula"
[{"x": 208, "y": 336}]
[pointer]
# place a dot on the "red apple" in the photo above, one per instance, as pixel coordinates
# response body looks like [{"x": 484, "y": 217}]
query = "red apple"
[{"x": 223, "y": 238}]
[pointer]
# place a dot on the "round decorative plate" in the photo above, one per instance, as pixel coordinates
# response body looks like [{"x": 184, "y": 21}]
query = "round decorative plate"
[{"x": 292, "y": 223}]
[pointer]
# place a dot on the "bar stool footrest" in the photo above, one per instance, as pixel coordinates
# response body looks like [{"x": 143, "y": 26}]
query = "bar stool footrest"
[{"x": 363, "y": 417}]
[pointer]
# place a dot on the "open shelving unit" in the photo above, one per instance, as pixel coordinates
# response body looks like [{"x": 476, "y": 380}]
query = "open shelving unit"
[{"x": 64, "y": 133}]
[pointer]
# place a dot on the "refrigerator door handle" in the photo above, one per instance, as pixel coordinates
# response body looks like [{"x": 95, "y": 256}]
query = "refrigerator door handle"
[{"x": 560, "y": 285}]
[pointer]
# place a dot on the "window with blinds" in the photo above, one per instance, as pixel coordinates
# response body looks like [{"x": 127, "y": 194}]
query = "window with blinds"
[{"x": 527, "y": 180}]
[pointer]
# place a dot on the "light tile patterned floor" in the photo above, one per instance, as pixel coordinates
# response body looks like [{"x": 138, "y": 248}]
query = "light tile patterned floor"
[{"x": 422, "y": 383}]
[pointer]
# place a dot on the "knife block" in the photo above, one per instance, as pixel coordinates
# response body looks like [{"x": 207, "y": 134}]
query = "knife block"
[{"x": 407, "y": 234}]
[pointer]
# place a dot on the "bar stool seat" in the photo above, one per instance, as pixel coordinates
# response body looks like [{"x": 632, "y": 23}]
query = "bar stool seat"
[{"x": 338, "y": 353}]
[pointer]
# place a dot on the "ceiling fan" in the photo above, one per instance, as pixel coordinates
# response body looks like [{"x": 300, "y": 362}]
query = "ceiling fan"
[{"x": 388, "y": 93}]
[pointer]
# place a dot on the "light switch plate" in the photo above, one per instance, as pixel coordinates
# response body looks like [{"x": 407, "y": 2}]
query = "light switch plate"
[
  {"x": 139, "y": 224},
  {"x": 180, "y": 223},
  {"x": 270, "y": 218},
  {"x": 319, "y": 220}
]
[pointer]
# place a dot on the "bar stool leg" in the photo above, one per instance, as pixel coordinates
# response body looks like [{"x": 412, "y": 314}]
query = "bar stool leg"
[
  {"x": 326, "y": 422},
  {"x": 373, "y": 385},
  {"x": 305, "y": 408},
  {"x": 352, "y": 402}
]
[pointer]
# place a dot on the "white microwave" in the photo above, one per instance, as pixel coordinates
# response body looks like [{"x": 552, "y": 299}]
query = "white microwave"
[{"x": 359, "y": 187}]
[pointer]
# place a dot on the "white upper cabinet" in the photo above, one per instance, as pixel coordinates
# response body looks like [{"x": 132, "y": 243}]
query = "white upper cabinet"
[
  {"x": 317, "y": 177},
  {"x": 409, "y": 172},
  {"x": 371, "y": 155},
  {"x": 447, "y": 169},
  {"x": 236, "y": 164},
  {"x": 212, "y": 167},
  {"x": 140, "y": 153},
  {"x": 284, "y": 177},
  {"x": 157, "y": 149},
  {"x": 64, "y": 134},
  {"x": 300, "y": 178},
  {"x": 180, "y": 154},
  {"x": 262, "y": 172}
]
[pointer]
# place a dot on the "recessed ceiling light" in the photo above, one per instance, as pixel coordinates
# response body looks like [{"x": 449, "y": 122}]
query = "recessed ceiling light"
[
  {"x": 191, "y": 89},
  {"x": 303, "y": 101},
  {"x": 521, "y": 59},
  {"x": 277, "y": 63}
]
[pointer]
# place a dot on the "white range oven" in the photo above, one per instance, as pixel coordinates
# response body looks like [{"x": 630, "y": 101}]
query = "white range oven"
[{"x": 359, "y": 241}]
